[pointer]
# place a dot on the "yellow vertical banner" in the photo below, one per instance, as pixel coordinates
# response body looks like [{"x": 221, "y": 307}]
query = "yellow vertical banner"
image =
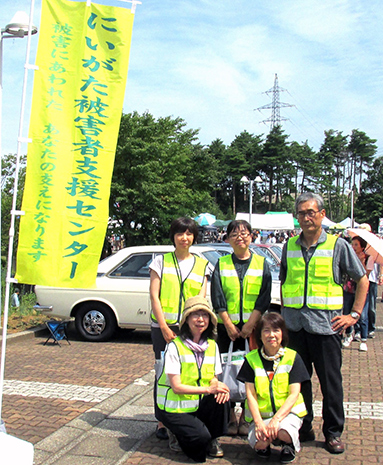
[{"x": 82, "y": 60}]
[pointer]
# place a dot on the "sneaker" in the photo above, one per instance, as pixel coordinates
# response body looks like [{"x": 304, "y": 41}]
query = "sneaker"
[
  {"x": 287, "y": 453},
  {"x": 371, "y": 334},
  {"x": 363, "y": 347},
  {"x": 357, "y": 337},
  {"x": 173, "y": 443},
  {"x": 215, "y": 449},
  {"x": 347, "y": 341},
  {"x": 263, "y": 453},
  {"x": 161, "y": 433}
]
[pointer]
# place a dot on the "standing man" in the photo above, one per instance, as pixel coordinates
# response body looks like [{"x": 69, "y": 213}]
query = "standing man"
[{"x": 312, "y": 299}]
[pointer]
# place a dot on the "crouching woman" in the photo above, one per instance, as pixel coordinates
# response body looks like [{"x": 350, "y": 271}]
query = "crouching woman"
[
  {"x": 191, "y": 402},
  {"x": 273, "y": 375}
]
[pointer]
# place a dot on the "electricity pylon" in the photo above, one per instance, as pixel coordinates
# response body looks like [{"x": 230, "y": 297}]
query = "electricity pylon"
[{"x": 275, "y": 105}]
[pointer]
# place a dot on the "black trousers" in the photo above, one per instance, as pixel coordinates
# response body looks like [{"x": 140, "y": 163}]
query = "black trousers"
[
  {"x": 325, "y": 354},
  {"x": 195, "y": 430}
]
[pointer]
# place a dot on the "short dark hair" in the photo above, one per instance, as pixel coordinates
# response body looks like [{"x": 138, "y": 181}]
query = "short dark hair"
[
  {"x": 183, "y": 224},
  {"x": 209, "y": 333},
  {"x": 235, "y": 224},
  {"x": 276, "y": 321},
  {"x": 361, "y": 241}
]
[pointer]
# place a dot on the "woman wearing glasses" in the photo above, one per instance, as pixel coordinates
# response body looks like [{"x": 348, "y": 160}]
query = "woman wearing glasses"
[{"x": 240, "y": 293}]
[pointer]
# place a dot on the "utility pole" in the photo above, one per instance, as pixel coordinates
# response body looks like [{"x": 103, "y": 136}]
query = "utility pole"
[{"x": 275, "y": 105}]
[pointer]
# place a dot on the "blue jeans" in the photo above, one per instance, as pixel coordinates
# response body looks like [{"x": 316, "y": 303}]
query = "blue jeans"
[
  {"x": 372, "y": 296},
  {"x": 362, "y": 324}
]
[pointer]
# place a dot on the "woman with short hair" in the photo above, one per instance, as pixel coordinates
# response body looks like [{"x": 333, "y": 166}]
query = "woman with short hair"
[{"x": 174, "y": 277}]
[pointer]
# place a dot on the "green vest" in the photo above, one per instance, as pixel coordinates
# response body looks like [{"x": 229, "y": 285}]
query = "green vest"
[
  {"x": 313, "y": 283},
  {"x": 173, "y": 291},
  {"x": 231, "y": 286},
  {"x": 271, "y": 395},
  {"x": 191, "y": 375}
]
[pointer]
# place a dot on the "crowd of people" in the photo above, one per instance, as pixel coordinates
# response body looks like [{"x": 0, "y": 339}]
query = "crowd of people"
[{"x": 192, "y": 403}]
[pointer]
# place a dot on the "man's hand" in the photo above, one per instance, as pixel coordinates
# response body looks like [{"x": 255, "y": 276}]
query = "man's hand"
[{"x": 341, "y": 322}]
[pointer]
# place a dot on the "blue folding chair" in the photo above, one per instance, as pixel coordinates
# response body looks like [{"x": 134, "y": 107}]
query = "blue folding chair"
[{"x": 57, "y": 330}]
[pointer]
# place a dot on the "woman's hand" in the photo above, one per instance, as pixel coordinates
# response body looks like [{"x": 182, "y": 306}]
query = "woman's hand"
[
  {"x": 220, "y": 390},
  {"x": 272, "y": 428},
  {"x": 261, "y": 432},
  {"x": 168, "y": 334},
  {"x": 247, "y": 329},
  {"x": 232, "y": 331}
]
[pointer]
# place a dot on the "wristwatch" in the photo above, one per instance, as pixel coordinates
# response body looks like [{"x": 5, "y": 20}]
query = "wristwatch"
[{"x": 355, "y": 315}]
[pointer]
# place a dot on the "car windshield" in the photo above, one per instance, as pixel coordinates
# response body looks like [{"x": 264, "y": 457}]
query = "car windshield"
[
  {"x": 212, "y": 256},
  {"x": 277, "y": 250}
]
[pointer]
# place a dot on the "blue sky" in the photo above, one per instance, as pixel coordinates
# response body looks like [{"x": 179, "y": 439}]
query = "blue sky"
[{"x": 210, "y": 63}]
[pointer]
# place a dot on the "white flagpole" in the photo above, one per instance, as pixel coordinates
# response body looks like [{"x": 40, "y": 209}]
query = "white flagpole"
[{"x": 13, "y": 211}]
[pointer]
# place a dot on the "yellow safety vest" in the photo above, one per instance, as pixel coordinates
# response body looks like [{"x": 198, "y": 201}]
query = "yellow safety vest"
[
  {"x": 231, "y": 286},
  {"x": 173, "y": 291},
  {"x": 191, "y": 375},
  {"x": 271, "y": 395},
  {"x": 313, "y": 283}
]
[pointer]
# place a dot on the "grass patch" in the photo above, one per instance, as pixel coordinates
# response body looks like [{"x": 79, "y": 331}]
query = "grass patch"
[{"x": 24, "y": 317}]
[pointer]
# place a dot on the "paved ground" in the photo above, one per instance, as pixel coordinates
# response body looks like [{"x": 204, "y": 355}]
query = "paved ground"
[{"x": 92, "y": 404}]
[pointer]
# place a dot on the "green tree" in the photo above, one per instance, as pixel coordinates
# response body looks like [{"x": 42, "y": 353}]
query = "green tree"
[
  {"x": 307, "y": 169},
  {"x": 8, "y": 169},
  {"x": 332, "y": 156},
  {"x": 152, "y": 181},
  {"x": 369, "y": 205},
  {"x": 275, "y": 164},
  {"x": 362, "y": 151}
]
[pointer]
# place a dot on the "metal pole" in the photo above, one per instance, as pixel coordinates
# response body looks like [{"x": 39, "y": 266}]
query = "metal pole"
[
  {"x": 352, "y": 207},
  {"x": 13, "y": 211},
  {"x": 251, "y": 200}
]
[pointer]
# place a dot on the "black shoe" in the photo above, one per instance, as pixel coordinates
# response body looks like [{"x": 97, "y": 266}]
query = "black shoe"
[
  {"x": 263, "y": 453},
  {"x": 334, "y": 445},
  {"x": 161, "y": 433},
  {"x": 287, "y": 453},
  {"x": 215, "y": 449},
  {"x": 306, "y": 436}
]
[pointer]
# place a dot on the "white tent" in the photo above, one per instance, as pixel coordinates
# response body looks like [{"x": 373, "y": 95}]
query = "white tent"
[
  {"x": 327, "y": 222},
  {"x": 347, "y": 223},
  {"x": 268, "y": 222}
]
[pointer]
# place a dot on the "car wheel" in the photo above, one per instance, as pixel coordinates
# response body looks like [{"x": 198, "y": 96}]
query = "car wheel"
[{"x": 95, "y": 322}]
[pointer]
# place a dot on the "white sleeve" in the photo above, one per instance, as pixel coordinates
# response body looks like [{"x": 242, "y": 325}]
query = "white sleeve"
[
  {"x": 218, "y": 364},
  {"x": 156, "y": 264},
  {"x": 172, "y": 361}
]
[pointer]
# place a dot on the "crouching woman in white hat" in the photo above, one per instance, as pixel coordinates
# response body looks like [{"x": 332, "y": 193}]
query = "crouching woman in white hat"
[{"x": 191, "y": 402}]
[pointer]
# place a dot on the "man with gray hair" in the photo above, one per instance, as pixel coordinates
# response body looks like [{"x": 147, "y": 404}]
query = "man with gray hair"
[{"x": 312, "y": 300}]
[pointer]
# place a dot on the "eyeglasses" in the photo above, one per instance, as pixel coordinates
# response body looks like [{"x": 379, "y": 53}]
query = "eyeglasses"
[
  {"x": 242, "y": 234},
  {"x": 200, "y": 314},
  {"x": 309, "y": 213}
]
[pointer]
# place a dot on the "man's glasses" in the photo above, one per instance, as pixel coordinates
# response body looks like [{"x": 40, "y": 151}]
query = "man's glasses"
[
  {"x": 242, "y": 234},
  {"x": 309, "y": 213}
]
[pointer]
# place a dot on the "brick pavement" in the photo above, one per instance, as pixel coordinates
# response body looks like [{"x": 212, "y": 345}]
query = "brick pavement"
[
  {"x": 116, "y": 364},
  {"x": 363, "y": 382},
  {"x": 113, "y": 365}
]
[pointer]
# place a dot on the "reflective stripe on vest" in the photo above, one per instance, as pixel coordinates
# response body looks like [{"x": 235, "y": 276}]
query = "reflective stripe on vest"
[
  {"x": 231, "y": 286},
  {"x": 322, "y": 292},
  {"x": 191, "y": 375},
  {"x": 172, "y": 301},
  {"x": 278, "y": 387}
]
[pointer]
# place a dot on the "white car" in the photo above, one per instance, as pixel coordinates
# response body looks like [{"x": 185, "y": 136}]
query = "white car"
[{"x": 120, "y": 298}]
